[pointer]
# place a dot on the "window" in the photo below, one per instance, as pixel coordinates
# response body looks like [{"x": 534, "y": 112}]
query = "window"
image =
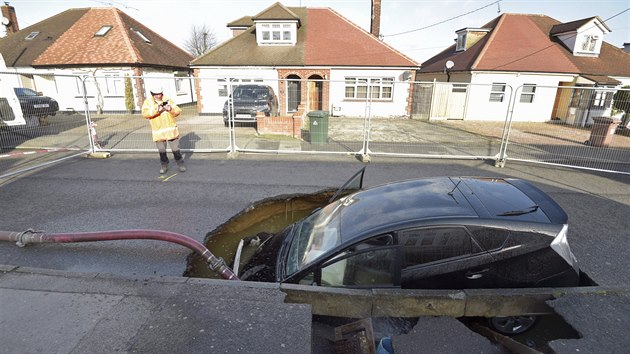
[
  {"x": 114, "y": 84},
  {"x": 103, "y": 31},
  {"x": 488, "y": 238},
  {"x": 497, "y": 92},
  {"x": 461, "y": 88},
  {"x": 589, "y": 43},
  {"x": 223, "y": 90},
  {"x": 370, "y": 263},
  {"x": 377, "y": 88},
  {"x": 276, "y": 33},
  {"x": 223, "y": 87},
  {"x": 434, "y": 244},
  {"x": 180, "y": 82},
  {"x": 527, "y": 96},
  {"x": 602, "y": 99},
  {"x": 144, "y": 38},
  {"x": 31, "y": 35},
  {"x": 461, "y": 41}
]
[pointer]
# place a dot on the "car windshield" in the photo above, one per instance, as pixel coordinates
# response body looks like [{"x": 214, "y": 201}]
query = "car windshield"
[
  {"x": 24, "y": 91},
  {"x": 314, "y": 236},
  {"x": 251, "y": 94}
]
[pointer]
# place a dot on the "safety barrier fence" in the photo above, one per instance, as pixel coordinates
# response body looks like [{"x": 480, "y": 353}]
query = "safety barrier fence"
[{"x": 575, "y": 126}]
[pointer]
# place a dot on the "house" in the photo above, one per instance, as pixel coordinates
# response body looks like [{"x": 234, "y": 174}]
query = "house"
[
  {"x": 541, "y": 61},
  {"x": 104, "y": 44},
  {"x": 314, "y": 59}
]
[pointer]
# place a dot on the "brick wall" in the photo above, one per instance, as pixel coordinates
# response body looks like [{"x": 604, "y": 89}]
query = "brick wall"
[{"x": 282, "y": 125}]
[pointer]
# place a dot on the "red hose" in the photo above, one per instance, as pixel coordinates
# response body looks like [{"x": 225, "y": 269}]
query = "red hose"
[{"x": 30, "y": 236}]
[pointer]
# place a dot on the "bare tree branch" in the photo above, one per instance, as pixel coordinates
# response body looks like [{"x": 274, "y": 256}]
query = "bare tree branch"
[{"x": 201, "y": 40}]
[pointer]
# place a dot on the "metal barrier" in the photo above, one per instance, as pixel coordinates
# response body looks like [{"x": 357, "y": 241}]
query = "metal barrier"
[{"x": 356, "y": 116}]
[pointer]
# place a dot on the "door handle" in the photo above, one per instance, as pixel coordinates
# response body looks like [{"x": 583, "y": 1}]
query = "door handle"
[{"x": 477, "y": 274}]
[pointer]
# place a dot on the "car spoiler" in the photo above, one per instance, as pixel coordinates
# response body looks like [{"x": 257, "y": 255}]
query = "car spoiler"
[{"x": 553, "y": 210}]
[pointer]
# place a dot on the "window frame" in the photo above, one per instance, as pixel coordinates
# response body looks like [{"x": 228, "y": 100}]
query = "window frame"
[
  {"x": 496, "y": 95},
  {"x": 102, "y": 32},
  {"x": 374, "y": 88},
  {"x": 589, "y": 43},
  {"x": 528, "y": 96},
  {"x": 404, "y": 239},
  {"x": 179, "y": 80}
]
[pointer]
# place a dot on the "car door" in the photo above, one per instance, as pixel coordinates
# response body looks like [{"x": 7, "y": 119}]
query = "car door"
[
  {"x": 443, "y": 257},
  {"x": 354, "y": 183},
  {"x": 373, "y": 263}
]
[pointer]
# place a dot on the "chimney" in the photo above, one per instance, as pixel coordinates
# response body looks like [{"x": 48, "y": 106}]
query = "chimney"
[
  {"x": 9, "y": 19},
  {"x": 375, "y": 27}
]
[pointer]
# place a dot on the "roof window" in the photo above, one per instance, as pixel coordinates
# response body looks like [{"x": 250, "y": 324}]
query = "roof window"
[
  {"x": 103, "y": 31},
  {"x": 31, "y": 35},
  {"x": 144, "y": 38}
]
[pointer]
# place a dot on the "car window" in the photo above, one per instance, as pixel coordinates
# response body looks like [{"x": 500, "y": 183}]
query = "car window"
[
  {"x": 434, "y": 244},
  {"x": 370, "y": 268},
  {"x": 363, "y": 264},
  {"x": 489, "y": 238},
  {"x": 313, "y": 237}
]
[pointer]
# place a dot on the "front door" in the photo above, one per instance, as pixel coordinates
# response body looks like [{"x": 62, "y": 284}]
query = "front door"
[{"x": 294, "y": 93}]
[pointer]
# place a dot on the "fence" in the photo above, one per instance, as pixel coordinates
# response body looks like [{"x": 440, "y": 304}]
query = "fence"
[{"x": 366, "y": 117}]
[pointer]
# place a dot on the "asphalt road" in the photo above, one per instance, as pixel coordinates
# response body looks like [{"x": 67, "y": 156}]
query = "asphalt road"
[{"x": 126, "y": 192}]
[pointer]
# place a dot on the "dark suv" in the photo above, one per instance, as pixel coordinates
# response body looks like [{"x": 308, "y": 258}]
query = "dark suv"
[
  {"x": 249, "y": 100},
  {"x": 34, "y": 104}
]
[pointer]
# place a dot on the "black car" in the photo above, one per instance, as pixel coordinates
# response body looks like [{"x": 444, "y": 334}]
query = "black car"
[
  {"x": 435, "y": 233},
  {"x": 247, "y": 101},
  {"x": 34, "y": 104}
]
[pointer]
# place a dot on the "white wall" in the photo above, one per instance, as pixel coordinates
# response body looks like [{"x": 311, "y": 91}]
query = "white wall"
[
  {"x": 66, "y": 86},
  {"x": 340, "y": 106},
  {"x": 211, "y": 100},
  {"x": 540, "y": 110}
]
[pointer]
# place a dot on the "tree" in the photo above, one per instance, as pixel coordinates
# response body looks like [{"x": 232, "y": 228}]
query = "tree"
[
  {"x": 201, "y": 40},
  {"x": 129, "y": 102},
  {"x": 621, "y": 102}
]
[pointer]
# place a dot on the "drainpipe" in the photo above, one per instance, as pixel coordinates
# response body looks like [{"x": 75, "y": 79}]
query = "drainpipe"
[{"x": 216, "y": 264}]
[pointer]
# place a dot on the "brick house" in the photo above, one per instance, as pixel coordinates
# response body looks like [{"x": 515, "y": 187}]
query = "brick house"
[
  {"x": 104, "y": 44},
  {"x": 314, "y": 59},
  {"x": 544, "y": 63}
]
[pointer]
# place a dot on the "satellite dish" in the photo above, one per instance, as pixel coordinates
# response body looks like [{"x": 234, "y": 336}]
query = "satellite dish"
[
  {"x": 449, "y": 64},
  {"x": 5, "y": 21}
]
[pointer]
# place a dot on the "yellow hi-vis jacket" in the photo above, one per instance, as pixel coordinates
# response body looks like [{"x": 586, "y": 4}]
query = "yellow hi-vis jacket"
[{"x": 163, "y": 126}]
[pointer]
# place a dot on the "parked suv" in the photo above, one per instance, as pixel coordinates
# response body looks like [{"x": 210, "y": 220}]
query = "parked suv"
[
  {"x": 247, "y": 101},
  {"x": 35, "y": 106}
]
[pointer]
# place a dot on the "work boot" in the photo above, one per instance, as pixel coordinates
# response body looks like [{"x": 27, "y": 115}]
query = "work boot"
[
  {"x": 181, "y": 165},
  {"x": 164, "y": 162}
]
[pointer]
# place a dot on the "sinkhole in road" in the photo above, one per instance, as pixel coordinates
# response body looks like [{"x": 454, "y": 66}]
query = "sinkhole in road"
[
  {"x": 269, "y": 215},
  {"x": 274, "y": 214}
]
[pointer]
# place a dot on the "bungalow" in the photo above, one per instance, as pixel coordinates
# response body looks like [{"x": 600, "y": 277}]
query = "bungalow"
[
  {"x": 540, "y": 60},
  {"x": 104, "y": 44},
  {"x": 313, "y": 58}
]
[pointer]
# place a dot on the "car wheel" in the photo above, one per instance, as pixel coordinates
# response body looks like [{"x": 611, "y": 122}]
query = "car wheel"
[{"x": 512, "y": 325}]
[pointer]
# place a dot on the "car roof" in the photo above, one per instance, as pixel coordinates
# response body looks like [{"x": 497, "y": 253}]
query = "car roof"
[{"x": 398, "y": 204}]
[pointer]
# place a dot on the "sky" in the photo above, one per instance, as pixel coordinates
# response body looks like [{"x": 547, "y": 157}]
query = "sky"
[{"x": 419, "y": 29}]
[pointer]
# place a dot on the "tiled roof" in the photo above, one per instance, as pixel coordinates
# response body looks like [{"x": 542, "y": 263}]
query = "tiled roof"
[
  {"x": 68, "y": 40},
  {"x": 323, "y": 38},
  {"x": 522, "y": 43},
  {"x": 276, "y": 11}
]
